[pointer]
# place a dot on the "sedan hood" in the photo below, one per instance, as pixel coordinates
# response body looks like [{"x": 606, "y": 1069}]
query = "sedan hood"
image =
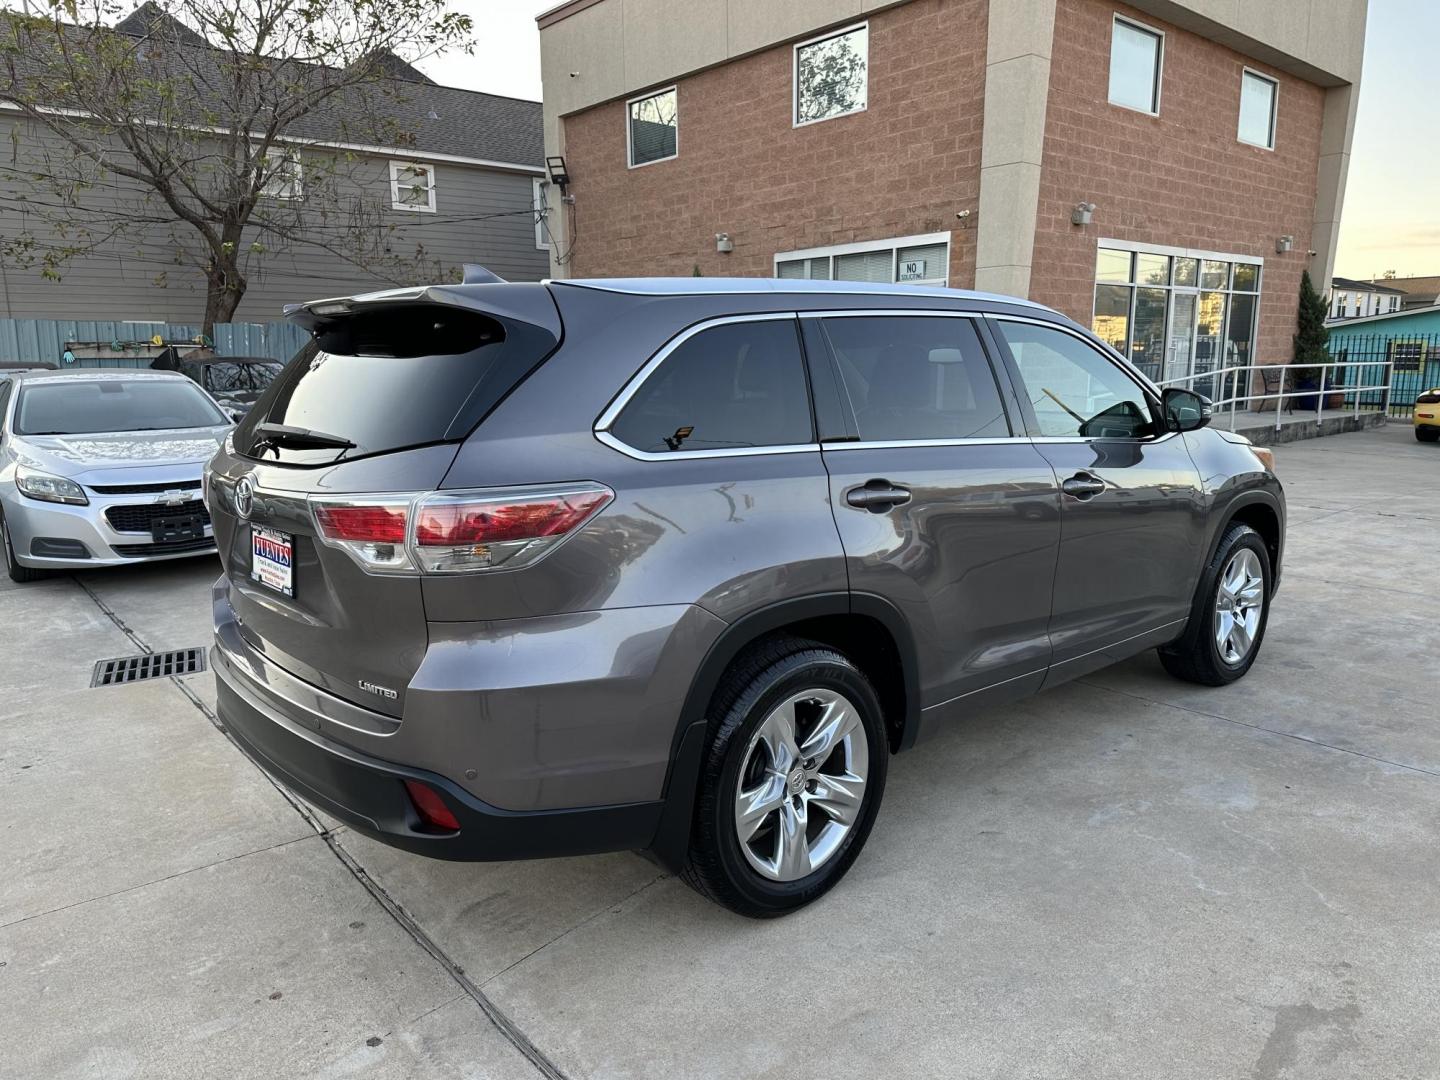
[{"x": 76, "y": 455}]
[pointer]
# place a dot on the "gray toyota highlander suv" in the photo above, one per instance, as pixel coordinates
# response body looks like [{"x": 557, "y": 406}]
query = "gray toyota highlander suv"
[{"x": 517, "y": 570}]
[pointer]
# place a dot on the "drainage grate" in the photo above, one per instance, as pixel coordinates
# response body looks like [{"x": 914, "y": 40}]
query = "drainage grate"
[{"x": 128, "y": 669}]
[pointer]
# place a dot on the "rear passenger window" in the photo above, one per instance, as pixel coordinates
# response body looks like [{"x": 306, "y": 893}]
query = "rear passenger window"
[
  {"x": 917, "y": 377},
  {"x": 733, "y": 386}
]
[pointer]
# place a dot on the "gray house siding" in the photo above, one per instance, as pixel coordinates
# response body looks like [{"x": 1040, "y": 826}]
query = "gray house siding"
[{"x": 482, "y": 214}]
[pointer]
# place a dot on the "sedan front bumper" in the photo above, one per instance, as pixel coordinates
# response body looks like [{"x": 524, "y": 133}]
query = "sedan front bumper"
[{"x": 45, "y": 534}]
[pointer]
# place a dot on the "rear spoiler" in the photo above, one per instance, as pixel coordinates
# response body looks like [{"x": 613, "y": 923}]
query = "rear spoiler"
[{"x": 480, "y": 291}]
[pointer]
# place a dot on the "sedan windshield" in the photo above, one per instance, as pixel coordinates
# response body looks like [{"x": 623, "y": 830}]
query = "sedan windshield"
[
  {"x": 85, "y": 408},
  {"x": 220, "y": 377}
]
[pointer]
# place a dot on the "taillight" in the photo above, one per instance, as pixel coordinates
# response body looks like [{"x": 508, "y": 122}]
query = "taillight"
[
  {"x": 450, "y": 532},
  {"x": 462, "y": 531},
  {"x": 372, "y": 531}
]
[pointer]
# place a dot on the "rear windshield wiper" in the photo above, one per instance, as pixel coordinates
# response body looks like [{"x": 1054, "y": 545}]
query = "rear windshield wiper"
[{"x": 275, "y": 435}]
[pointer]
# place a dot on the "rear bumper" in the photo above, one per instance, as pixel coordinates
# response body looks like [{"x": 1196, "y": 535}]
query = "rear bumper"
[{"x": 369, "y": 795}]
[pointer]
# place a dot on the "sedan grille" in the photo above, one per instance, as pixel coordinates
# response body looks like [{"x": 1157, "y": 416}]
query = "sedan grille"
[
  {"x": 138, "y": 519},
  {"x": 144, "y": 489},
  {"x": 172, "y": 547}
]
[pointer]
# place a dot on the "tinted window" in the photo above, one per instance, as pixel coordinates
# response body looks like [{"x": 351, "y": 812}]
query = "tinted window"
[
  {"x": 226, "y": 376},
  {"x": 76, "y": 407},
  {"x": 1074, "y": 389},
  {"x": 731, "y": 386},
  {"x": 401, "y": 377},
  {"x": 654, "y": 128},
  {"x": 917, "y": 377}
]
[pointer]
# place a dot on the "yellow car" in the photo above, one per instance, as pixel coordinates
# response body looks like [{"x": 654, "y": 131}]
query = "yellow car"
[{"x": 1427, "y": 416}]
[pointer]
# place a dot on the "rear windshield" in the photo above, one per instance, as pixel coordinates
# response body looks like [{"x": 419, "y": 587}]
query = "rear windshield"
[
  {"x": 395, "y": 378},
  {"x": 223, "y": 376},
  {"x": 76, "y": 407}
]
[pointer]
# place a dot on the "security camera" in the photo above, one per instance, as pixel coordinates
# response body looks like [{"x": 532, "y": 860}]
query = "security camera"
[
  {"x": 962, "y": 214},
  {"x": 574, "y": 74}
]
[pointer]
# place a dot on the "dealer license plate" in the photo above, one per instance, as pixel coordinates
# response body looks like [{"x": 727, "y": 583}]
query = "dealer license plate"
[{"x": 272, "y": 559}]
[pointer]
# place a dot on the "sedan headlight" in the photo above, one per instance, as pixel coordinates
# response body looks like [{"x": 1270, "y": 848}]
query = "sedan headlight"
[{"x": 47, "y": 488}]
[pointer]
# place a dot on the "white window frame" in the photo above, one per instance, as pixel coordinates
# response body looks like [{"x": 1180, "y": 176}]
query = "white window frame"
[
  {"x": 1274, "y": 107},
  {"x": 540, "y": 202},
  {"x": 795, "y": 121},
  {"x": 630, "y": 161},
  {"x": 279, "y": 186},
  {"x": 395, "y": 201},
  {"x": 894, "y": 245},
  {"x": 1159, "y": 63}
]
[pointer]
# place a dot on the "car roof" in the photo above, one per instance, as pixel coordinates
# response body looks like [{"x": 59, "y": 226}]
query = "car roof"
[
  {"x": 95, "y": 375},
  {"x": 686, "y": 286}
]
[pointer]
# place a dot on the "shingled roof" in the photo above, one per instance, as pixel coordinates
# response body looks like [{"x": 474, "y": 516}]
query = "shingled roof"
[{"x": 435, "y": 119}]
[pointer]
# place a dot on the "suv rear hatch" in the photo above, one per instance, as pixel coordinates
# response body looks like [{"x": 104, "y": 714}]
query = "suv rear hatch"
[{"x": 309, "y": 489}]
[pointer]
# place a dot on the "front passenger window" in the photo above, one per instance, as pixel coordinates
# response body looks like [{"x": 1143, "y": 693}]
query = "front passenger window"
[{"x": 1074, "y": 390}]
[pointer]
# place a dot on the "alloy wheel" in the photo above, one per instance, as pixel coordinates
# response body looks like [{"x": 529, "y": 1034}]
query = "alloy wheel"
[
  {"x": 1239, "y": 603},
  {"x": 802, "y": 784}
]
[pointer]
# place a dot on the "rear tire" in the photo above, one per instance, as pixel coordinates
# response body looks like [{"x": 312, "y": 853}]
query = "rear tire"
[
  {"x": 1427, "y": 433},
  {"x": 18, "y": 573},
  {"x": 1227, "y": 620},
  {"x": 791, "y": 780}
]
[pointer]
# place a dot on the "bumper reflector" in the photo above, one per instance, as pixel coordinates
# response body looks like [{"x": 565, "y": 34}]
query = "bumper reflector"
[{"x": 431, "y": 807}]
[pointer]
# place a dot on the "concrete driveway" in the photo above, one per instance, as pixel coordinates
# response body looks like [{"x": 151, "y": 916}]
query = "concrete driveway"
[{"x": 1126, "y": 877}]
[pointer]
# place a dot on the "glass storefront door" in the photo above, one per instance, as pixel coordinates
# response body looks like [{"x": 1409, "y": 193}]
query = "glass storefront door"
[{"x": 1180, "y": 345}]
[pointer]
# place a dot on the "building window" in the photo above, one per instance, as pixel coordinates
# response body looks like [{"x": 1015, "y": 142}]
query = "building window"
[
  {"x": 911, "y": 260},
  {"x": 653, "y": 127},
  {"x": 1174, "y": 312},
  {"x": 412, "y": 187},
  {"x": 280, "y": 174},
  {"x": 832, "y": 75},
  {"x": 540, "y": 203},
  {"x": 1258, "y": 95},
  {"x": 1136, "y": 59}
]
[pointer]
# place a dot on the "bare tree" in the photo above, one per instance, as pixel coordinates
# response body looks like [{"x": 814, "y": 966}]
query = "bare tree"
[{"x": 224, "y": 120}]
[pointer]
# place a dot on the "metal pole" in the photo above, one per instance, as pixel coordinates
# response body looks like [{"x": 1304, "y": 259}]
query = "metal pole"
[
  {"x": 1320, "y": 400},
  {"x": 1280, "y": 399}
]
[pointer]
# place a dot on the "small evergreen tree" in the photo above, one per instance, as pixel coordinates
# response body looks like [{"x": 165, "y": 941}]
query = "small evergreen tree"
[{"x": 1311, "y": 336}]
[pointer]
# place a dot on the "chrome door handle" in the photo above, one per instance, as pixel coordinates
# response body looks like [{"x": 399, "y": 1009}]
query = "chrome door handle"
[
  {"x": 877, "y": 496},
  {"x": 1083, "y": 485}
]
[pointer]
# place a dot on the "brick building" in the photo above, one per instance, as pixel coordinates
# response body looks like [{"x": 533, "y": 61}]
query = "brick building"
[{"x": 1161, "y": 170}]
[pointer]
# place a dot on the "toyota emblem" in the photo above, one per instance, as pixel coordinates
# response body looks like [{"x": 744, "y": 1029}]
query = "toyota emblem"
[{"x": 244, "y": 496}]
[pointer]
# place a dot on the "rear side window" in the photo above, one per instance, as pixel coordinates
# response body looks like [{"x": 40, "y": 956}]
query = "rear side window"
[
  {"x": 729, "y": 387},
  {"x": 913, "y": 377},
  {"x": 393, "y": 378}
]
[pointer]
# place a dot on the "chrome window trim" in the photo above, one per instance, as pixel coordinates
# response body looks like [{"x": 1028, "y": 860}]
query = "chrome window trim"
[
  {"x": 847, "y": 313},
  {"x": 903, "y": 444},
  {"x": 601, "y": 430}
]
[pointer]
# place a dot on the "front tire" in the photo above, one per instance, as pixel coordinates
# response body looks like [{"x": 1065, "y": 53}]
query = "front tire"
[
  {"x": 18, "y": 573},
  {"x": 791, "y": 781},
  {"x": 1228, "y": 618}
]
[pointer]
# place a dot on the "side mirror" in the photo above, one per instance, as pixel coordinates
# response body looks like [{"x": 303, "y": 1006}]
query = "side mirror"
[{"x": 1185, "y": 410}]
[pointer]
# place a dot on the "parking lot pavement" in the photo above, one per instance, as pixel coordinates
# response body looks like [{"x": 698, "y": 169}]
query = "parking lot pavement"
[{"x": 1127, "y": 876}]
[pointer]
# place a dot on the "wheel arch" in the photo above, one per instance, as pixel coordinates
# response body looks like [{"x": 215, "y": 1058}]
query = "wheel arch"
[
  {"x": 867, "y": 628},
  {"x": 1261, "y": 511}
]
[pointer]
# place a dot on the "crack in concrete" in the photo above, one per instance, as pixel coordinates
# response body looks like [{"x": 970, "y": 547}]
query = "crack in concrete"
[
  {"x": 1260, "y": 727},
  {"x": 507, "y": 1028}
]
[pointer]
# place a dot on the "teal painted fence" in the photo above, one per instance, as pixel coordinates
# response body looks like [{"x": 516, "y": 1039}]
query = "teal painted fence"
[{"x": 42, "y": 341}]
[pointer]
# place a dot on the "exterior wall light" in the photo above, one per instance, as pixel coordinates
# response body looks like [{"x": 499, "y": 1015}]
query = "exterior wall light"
[
  {"x": 558, "y": 174},
  {"x": 1083, "y": 213},
  {"x": 1283, "y": 244},
  {"x": 723, "y": 243}
]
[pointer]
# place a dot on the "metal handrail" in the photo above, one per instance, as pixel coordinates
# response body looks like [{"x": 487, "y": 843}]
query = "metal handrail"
[{"x": 1233, "y": 401}]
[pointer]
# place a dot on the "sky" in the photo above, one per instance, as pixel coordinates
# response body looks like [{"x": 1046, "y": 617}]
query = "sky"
[{"x": 1391, "y": 219}]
